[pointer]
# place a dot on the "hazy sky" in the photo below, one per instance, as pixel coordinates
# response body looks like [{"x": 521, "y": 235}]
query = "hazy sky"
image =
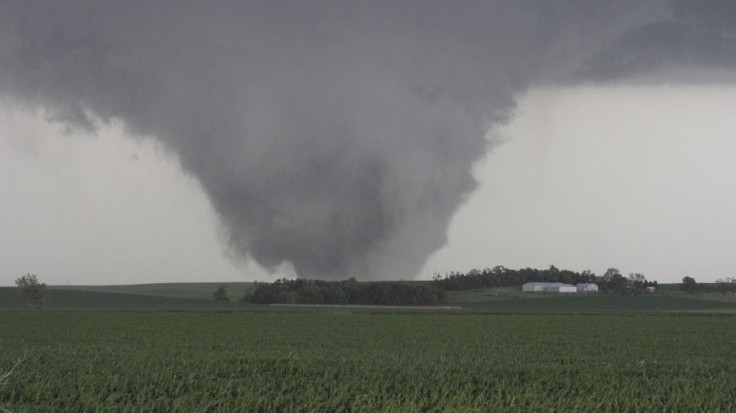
[
  {"x": 159, "y": 141},
  {"x": 638, "y": 178}
]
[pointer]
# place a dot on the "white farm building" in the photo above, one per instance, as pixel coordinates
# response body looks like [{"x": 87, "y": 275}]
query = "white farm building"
[
  {"x": 532, "y": 287},
  {"x": 549, "y": 287},
  {"x": 558, "y": 287},
  {"x": 562, "y": 288},
  {"x": 587, "y": 288}
]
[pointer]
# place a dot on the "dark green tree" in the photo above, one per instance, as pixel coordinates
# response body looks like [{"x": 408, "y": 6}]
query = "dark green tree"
[
  {"x": 637, "y": 281},
  {"x": 31, "y": 291},
  {"x": 689, "y": 285},
  {"x": 221, "y": 294},
  {"x": 614, "y": 281}
]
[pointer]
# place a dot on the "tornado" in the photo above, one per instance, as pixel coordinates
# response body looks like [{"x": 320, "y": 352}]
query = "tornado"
[{"x": 338, "y": 136}]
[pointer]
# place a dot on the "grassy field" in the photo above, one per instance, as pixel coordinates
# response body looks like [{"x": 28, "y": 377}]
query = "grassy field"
[{"x": 338, "y": 360}]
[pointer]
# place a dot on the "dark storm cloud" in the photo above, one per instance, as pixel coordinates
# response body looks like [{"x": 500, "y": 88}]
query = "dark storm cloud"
[
  {"x": 699, "y": 34},
  {"x": 338, "y": 136}
]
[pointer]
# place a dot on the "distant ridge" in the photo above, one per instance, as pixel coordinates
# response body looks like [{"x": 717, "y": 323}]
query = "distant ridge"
[
  {"x": 193, "y": 290},
  {"x": 69, "y": 299}
]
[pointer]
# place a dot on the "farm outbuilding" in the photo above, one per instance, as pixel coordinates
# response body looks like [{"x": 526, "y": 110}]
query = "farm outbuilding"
[
  {"x": 548, "y": 287},
  {"x": 562, "y": 288},
  {"x": 532, "y": 287},
  {"x": 587, "y": 288},
  {"x": 651, "y": 289}
]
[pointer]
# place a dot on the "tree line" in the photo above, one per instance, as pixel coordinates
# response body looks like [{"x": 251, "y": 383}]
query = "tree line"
[
  {"x": 500, "y": 276},
  {"x": 726, "y": 285},
  {"x": 723, "y": 285},
  {"x": 303, "y": 291}
]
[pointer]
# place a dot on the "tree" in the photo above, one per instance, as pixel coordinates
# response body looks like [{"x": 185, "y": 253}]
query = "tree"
[
  {"x": 221, "y": 294},
  {"x": 689, "y": 285},
  {"x": 34, "y": 293},
  {"x": 614, "y": 281},
  {"x": 726, "y": 285},
  {"x": 637, "y": 281},
  {"x": 587, "y": 276}
]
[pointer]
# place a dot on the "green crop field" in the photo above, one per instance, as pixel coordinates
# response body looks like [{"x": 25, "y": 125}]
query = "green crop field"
[{"x": 319, "y": 360}]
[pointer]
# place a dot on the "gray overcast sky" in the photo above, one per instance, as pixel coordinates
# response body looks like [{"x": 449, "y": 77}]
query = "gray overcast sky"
[
  {"x": 331, "y": 139},
  {"x": 639, "y": 178}
]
